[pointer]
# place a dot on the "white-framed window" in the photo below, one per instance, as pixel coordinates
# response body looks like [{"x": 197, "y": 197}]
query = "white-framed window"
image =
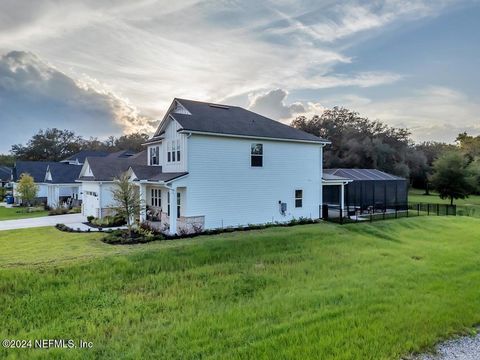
[
  {"x": 156, "y": 197},
  {"x": 178, "y": 149},
  {"x": 256, "y": 155},
  {"x": 173, "y": 150},
  {"x": 90, "y": 193},
  {"x": 155, "y": 155},
  {"x": 298, "y": 198}
]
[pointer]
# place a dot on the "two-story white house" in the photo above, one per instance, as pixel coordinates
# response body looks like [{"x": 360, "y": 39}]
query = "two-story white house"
[{"x": 212, "y": 166}]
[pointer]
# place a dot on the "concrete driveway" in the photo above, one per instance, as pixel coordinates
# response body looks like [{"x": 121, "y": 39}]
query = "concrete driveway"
[{"x": 42, "y": 221}]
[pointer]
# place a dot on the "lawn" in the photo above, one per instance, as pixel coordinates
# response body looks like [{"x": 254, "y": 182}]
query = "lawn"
[
  {"x": 469, "y": 206},
  {"x": 359, "y": 291},
  {"x": 19, "y": 213}
]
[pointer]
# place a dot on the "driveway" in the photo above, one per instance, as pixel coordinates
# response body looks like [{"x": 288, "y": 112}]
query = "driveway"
[{"x": 41, "y": 221}]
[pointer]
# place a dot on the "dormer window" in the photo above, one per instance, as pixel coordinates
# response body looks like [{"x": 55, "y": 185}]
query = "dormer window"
[{"x": 155, "y": 155}]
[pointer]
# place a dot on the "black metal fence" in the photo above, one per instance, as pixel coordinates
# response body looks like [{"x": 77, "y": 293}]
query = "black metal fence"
[{"x": 350, "y": 214}]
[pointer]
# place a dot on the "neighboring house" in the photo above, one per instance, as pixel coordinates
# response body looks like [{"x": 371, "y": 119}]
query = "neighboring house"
[
  {"x": 79, "y": 158},
  {"x": 363, "y": 189},
  {"x": 5, "y": 177},
  {"x": 57, "y": 181},
  {"x": 36, "y": 169},
  {"x": 213, "y": 166},
  {"x": 62, "y": 187},
  {"x": 96, "y": 178}
]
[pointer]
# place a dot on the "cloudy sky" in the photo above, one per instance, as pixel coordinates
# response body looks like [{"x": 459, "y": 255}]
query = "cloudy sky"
[{"x": 106, "y": 67}]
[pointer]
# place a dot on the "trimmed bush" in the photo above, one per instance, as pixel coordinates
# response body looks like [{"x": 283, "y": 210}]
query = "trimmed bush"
[
  {"x": 58, "y": 211},
  {"x": 108, "y": 221}
]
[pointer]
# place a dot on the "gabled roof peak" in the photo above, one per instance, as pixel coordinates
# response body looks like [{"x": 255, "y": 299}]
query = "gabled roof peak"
[{"x": 227, "y": 120}]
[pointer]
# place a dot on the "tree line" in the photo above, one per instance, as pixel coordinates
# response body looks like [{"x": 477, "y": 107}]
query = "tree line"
[
  {"x": 56, "y": 145},
  {"x": 358, "y": 142}
]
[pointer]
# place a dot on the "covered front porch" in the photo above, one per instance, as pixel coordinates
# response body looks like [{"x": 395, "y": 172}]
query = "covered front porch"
[
  {"x": 164, "y": 207},
  {"x": 63, "y": 195}
]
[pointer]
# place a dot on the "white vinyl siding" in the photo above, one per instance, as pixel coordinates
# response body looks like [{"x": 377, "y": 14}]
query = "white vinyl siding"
[
  {"x": 174, "y": 149},
  {"x": 222, "y": 185}
]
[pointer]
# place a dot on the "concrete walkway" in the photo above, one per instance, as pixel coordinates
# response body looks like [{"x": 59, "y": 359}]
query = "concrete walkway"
[{"x": 42, "y": 221}]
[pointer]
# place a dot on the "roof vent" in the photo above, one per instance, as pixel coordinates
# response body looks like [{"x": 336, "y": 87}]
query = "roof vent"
[{"x": 219, "y": 106}]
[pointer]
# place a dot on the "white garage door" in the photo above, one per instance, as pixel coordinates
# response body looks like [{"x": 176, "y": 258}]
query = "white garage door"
[{"x": 90, "y": 203}]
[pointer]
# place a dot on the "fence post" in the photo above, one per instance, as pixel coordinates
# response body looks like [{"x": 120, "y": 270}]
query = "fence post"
[
  {"x": 341, "y": 216},
  {"x": 396, "y": 211},
  {"x": 418, "y": 209},
  {"x": 438, "y": 209},
  {"x": 428, "y": 209}
]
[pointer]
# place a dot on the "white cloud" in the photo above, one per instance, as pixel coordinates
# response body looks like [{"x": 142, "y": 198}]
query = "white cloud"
[
  {"x": 431, "y": 113},
  {"x": 150, "y": 51},
  {"x": 272, "y": 104},
  {"x": 35, "y": 95},
  {"x": 345, "y": 19}
]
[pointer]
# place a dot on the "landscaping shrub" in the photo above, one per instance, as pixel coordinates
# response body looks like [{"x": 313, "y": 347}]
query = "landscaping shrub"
[
  {"x": 63, "y": 227},
  {"x": 22, "y": 210},
  {"x": 58, "y": 211},
  {"x": 90, "y": 218},
  {"x": 139, "y": 236},
  {"x": 146, "y": 233},
  {"x": 108, "y": 221}
]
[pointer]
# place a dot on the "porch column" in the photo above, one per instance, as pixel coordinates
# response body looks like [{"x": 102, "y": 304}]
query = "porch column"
[
  {"x": 143, "y": 202},
  {"x": 49, "y": 195},
  {"x": 342, "y": 198},
  {"x": 173, "y": 211}
]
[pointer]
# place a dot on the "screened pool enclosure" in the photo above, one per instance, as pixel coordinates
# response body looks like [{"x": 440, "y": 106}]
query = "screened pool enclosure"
[{"x": 363, "y": 190}]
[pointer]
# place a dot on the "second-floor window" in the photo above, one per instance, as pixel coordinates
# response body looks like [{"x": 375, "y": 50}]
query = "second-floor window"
[
  {"x": 256, "y": 155},
  {"x": 154, "y": 155},
  {"x": 173, "y": 151}
]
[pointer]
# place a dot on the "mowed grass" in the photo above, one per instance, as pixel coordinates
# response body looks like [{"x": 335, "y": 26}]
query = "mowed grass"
[
  {"x": 43, "y": 246},
  {"x": 469, "y": 206},
  {"x": 19, "y": 213},
  {"x": 360, "y": 291}
]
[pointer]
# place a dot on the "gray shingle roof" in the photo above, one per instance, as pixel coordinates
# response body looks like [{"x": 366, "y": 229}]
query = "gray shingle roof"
[
  {"x": 64, "y": 173},
  {"x": 82, "y": 155},
  {"x": 107, "y": 168},
  {"x": 37, "y": 169},
  {"x": 154, "y": 173},
  {"x": 5, "y": 173},
  {"x": 362, "y": 174},
  {"x": 234, "y": 120}
]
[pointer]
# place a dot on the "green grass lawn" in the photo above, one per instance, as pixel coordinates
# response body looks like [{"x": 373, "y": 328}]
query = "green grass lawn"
[
  {"x": 359, "y": 291},
  {"x": 469, "y": 206},
  {"x": 19, "y": 213}
]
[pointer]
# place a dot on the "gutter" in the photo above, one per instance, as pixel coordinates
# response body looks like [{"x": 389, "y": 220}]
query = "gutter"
[{"x": 319, "y": 142}]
